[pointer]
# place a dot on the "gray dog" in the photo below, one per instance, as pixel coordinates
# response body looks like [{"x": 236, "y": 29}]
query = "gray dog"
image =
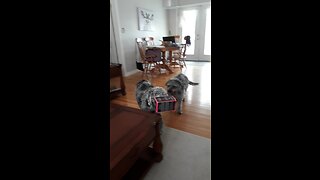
[
  {"x": 177, "y": 87},
  {"x": 145, "y": 93}
]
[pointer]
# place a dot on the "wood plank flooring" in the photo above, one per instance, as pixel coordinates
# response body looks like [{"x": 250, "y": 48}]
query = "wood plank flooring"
[{"x": 196, "y": 107}]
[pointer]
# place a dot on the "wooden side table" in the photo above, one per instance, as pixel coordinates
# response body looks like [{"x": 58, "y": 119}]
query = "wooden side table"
[
  {"x": 131, "y": 133},
  {"x": 116, "y": 71}
]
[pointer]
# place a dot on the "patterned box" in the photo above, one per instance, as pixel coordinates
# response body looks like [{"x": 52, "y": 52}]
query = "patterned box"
[{"x": 165, "y": 103}]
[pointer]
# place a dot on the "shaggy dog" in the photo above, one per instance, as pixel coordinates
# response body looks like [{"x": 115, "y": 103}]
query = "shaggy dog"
[
  {"x": 145, "y": 93},
  {"x": 177, "y": 87}
]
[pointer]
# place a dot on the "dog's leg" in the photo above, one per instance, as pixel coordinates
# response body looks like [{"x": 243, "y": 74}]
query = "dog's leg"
[
  {"x": 179, "y": 108},
  {"x": 184, "y": 95}
]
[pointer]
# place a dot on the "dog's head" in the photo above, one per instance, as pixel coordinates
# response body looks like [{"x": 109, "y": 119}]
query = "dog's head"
[
  {"x": 143, "y": 85},
  {"x": 145, "y": 93},
  {"x": 174, "y": 87}
]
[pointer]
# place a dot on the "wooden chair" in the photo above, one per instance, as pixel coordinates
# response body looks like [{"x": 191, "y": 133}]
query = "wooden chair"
[
  {"x": 149, "y": 41},
  {"x": 183, "y": 56},
  {"x": 177, "y": 38},
  {"x": 179, "y": 57},
  {"x": 148, "y": 61}
]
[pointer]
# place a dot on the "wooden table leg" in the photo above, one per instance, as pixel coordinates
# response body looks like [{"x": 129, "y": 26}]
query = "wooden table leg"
[
  {"x": 157, "y": 143},
  {"x": 163, "y": 55},
  {"x": 170, "y": 57},
  {"x": 123, "y": 87},
  {"x": 165, "y": 65}
]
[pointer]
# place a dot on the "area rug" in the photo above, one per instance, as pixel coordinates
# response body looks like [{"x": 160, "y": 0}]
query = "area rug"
[{"x": 185, "y": 157}]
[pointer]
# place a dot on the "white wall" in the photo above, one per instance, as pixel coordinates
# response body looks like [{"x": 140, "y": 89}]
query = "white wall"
[
  {"x": 128, "y": 20},
  {"x": 173, "y": 21}
]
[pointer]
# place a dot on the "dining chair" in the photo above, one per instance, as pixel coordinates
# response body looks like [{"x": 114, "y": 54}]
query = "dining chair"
[
  {"x": 179, "y": 57},
  {"x": 149, "y": 41},
  {"x": 181, "y": 54},
  {"x": 177, "y": 38},
  {"x": 148, "y": 62}
]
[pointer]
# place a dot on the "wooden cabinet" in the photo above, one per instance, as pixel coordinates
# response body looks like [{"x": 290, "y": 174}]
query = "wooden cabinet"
[{"x": 116, "y": 71}]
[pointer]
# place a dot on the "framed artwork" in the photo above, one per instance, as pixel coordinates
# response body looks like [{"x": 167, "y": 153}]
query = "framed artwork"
[{"x": 145, "y": 19}]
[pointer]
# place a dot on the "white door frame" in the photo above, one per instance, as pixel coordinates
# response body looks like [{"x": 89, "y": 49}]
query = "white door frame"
[
  {"x": 113, "y": 49},
  {"x": 202, "y": 31},
  {"x": 116, "y": 29},
  {"x": 199, "y": 31}
]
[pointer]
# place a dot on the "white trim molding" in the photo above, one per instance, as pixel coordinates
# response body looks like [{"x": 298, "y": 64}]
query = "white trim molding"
[
  {"x": 189, "y": 5},
  {"x": 116, "y": 26}
]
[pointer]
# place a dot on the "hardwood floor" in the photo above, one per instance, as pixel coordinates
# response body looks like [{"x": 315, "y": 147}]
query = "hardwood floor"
[{"x": 196, "y": 107}]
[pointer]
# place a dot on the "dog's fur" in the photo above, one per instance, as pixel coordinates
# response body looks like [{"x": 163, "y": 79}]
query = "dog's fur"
[
  {"x": 145, "y": 93},
  {"x": 177, "y": 87}
]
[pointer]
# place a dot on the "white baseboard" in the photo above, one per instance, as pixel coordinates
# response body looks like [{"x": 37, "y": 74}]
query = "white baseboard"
[{"x": 131, "y": 72}]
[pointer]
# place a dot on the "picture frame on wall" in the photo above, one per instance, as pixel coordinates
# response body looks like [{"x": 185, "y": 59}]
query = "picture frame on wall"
[{"x": 145, "y": 19}]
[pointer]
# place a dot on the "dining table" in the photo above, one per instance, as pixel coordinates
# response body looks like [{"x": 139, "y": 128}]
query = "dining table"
[{"x": 165, "y": 49}]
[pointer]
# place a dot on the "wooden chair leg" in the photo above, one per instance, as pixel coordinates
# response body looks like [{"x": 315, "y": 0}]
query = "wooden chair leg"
[
  {"x": 150, "y": 70},
  {"x": 147, "y": 67},
  {"x": 184, "y": 62}
]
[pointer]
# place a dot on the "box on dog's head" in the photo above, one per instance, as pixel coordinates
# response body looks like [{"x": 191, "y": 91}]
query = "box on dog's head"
[{"x": 165, "y": 103}]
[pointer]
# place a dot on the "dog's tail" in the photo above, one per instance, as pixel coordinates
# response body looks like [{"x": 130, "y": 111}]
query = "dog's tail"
[{"x": 193, "y": 83}]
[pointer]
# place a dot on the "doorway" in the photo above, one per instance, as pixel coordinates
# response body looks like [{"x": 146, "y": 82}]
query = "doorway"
[
  {"x": 196, "y": 23},
  {"x": 113, "y": 51}
]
